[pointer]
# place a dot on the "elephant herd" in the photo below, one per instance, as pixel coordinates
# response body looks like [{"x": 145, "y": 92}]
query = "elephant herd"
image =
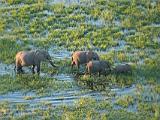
[
  {"x": 91, "y": 59},
  {"x": 95, "y": 65}
]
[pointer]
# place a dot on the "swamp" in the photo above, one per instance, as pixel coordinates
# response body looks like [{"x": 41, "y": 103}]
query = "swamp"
[{"x": 120, "y": 31}]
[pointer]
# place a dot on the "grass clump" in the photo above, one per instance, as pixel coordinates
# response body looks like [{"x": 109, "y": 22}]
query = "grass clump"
[
  {"x": 31, "y": 83},
  {"x": 125, "y": 101}
]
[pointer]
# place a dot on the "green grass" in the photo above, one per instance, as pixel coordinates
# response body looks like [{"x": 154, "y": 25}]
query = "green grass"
[
  {"x": 125, "y": 101},
  {"x": 31, "y": 83},
  {"x": 135, "y": 22}
]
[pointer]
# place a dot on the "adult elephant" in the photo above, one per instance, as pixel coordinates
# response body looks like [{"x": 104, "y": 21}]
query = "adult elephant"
[
  {"x": 83, "y": 57},
  {"x": 32, "y": 58}
]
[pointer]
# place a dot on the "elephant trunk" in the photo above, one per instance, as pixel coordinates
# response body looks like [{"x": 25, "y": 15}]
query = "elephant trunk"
[{"x": 52, "y": 63}]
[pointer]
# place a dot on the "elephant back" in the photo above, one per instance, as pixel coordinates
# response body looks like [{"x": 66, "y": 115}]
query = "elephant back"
[
  {"x": 79, "y": 56},
  {"x": 92, "y": 56},
  {"x": 94, "y": 66},
  {"x": 26, "y": 58}
]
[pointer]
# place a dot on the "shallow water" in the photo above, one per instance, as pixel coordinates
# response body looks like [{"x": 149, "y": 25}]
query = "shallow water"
[
  {"x": 71, "y": 96},
  {"x": 59, "y": 54},
  {"x": 124, "y": 91},
  {"x": 61, "y": 97},
  {"x": 6, "y": 69},
  {"x": 65, "y": 2},
  {"x": 68, "y": 97},
  {"x": 64, "y": 77},
  {"x": 97, "y": 23},
  {"x": 71, "y": 2}
]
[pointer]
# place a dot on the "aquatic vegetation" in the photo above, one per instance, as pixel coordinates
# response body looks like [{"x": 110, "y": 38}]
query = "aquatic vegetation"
[
  {"x": 31, "y": 83},
  {"x": 125, "y": 101},
  {"x": 121, "y": 31}
]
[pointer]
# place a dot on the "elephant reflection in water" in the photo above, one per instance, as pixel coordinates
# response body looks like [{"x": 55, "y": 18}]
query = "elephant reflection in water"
[{"x": 32, "y": 58}]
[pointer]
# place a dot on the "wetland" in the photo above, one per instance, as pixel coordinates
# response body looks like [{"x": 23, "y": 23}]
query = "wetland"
[{"x": 120, "y": 31}]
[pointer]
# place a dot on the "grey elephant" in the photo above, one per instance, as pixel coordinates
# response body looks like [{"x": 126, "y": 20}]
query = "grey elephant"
[
  {"x": 100, "y": 67},
  {"x": 83, "y": 57},
  {"x": 126, "y": 68},
  {"x": 32, "y": 58}
]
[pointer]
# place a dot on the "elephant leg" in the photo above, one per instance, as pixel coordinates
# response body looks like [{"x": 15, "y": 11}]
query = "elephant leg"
[
  {"x": 38, "y": 69},
  {"x": 90, "y": 74},
  {"x": 99, "y": 74},
  {"x": 22, "y": 71},
  {"x": 105, "y": 74},
  {"x": 72, "y": 66},
  {"x": 72, "y": 63},
  {"x": 86, "y": 70},
  {"x": 18, "y": 66},
  {"x": 33, "y": 69},
  {"x": 78, "y": 66},
  {"x": 19, "y": 69}
]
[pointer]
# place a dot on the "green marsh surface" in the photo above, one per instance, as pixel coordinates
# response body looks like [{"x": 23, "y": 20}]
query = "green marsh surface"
[{"x": 120, "y": 31}]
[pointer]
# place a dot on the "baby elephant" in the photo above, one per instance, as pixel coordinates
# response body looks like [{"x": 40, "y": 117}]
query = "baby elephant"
[
  {"x": 100, "y": 67},
  {"x": 83, "y": 57},
  {"x": 32, "y": 58},
  {"x": 123, "y": 68}
]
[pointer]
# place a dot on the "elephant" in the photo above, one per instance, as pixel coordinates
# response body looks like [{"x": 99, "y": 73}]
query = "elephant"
[
  {"x": 100, "y": 67},
  {"x": 83, "y": 57},
  {"x": 32, "y": 58},
  {"x": 126, "y": 68}
]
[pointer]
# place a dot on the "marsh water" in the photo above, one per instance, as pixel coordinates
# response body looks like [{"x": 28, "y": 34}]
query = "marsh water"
[
  {"x": 70, "y": 96},
  {"x": 64, "y": 97}
]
